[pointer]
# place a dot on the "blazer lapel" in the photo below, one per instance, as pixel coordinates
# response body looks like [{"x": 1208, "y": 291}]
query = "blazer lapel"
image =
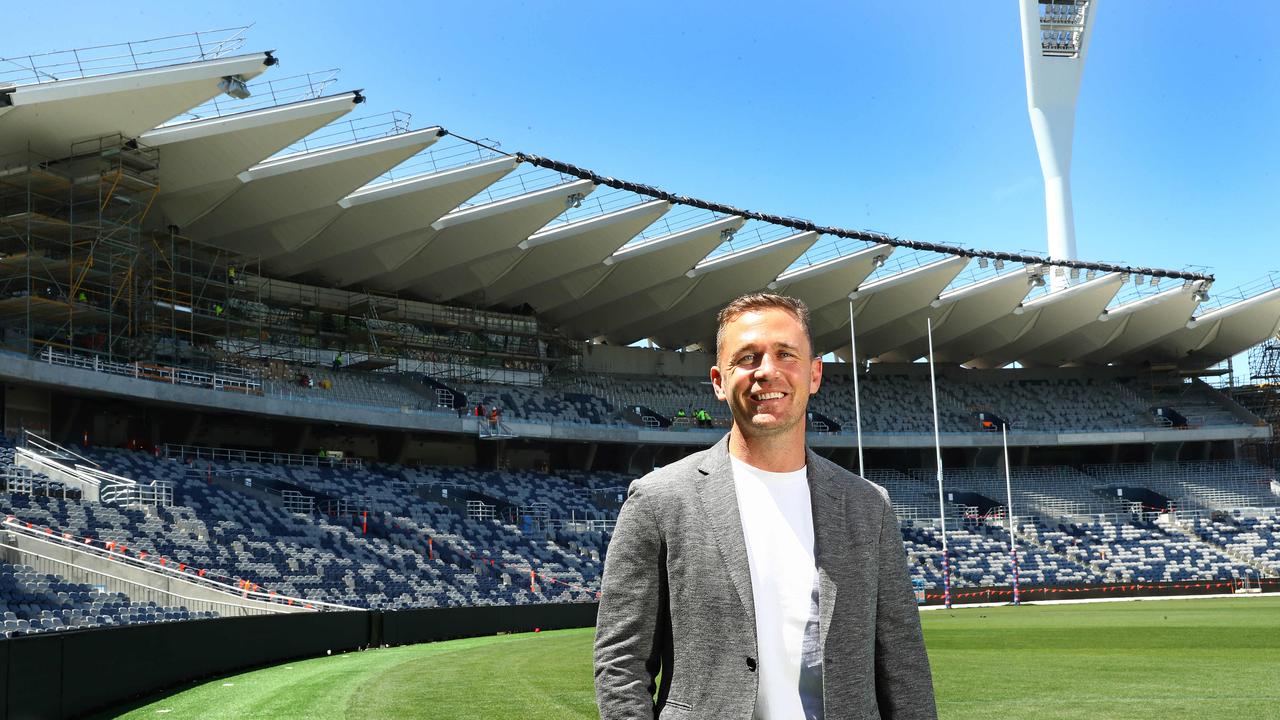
[
  {"x": 720, "y": 505},
  {"x": 829, "y": 536}
]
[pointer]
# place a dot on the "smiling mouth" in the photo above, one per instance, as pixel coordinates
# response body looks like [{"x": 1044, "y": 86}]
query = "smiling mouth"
[{"x": 766, "y": 396}]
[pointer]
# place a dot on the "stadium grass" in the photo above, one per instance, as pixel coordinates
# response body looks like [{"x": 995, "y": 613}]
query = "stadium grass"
[{"x": 1204, "y": 659}]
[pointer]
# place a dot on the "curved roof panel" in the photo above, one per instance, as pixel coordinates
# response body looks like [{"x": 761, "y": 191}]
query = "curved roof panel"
[
  {"x": 957, "y": 313},
  {"x": 693, "y": 318},
  {"x": 550, "y": 254},
  {"x": 882, "y": 301},
  {"x": 49, "y": 117},
  {"x": 1122, "y": 329},
  {"x": 825, "y": 283},
  {"x": 389, "y": 222},
  {"x": 201, "y": 159},
  {"x": 637, "y": 277},
  {"x": 285, "y": 200},
  {"x": 1219, "y": 333},
  {"x": 1033, "y": 324},
  {"x": 440, "y": 267}
]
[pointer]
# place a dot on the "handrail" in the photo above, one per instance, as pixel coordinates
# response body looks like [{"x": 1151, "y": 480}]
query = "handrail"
[
  {"x": 53, "y": 449},
  {"x": 121, "y": 57},
  {"x": 202, "y": 452},
  {"x": 143, "y": 587},
  {"x": 354, "y": 130},
  {"x": 265, "y": 93},
  {"x": 109, "y": 551},
  {"x": 247, "y": 384}
]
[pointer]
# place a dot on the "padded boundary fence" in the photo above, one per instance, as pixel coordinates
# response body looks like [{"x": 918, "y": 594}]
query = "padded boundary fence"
[
  {"x": 1037, "y": 593},
  {"x": 70, "y": 674}
]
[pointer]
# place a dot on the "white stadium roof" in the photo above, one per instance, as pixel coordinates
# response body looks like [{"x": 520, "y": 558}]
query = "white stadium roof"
[{"x": 439, "y": 218}]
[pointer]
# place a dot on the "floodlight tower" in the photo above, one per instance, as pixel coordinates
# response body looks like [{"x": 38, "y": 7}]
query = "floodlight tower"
[{"x": 1055, "y": 39}]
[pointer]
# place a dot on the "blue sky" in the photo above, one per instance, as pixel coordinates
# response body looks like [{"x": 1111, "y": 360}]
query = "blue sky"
[{"x": 898, "y": 117}]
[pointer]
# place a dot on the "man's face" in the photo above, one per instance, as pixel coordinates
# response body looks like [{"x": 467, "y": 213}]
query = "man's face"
[{"x": 765, "y": 372}]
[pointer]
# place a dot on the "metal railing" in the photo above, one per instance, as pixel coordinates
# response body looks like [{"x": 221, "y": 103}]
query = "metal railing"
[
  {"x": 580, "y": 526},
  {"x": 681, "y": 218},
  {"x": 202, "y": 452},
  {"x": 752, "y": 235},
  {"x": 354, "y": 130},
  {"x": 829, "y": 248},
  {"x": 445, "y": 154},
  {"x": 246, "y": 384},
  {"x": 107, "y": 487},
  {"x": 121, "y": 57},
  {"x": 479, "y": 510},
  {"x": 164, "y": 568},
  {"x": 264, "y": 94},
  {"x": 521, "y": 183},
  {"x": 1220, "y": 298}
]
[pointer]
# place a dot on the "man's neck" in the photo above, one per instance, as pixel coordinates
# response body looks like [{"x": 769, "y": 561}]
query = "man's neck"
[{"x": 784, "y": 453}]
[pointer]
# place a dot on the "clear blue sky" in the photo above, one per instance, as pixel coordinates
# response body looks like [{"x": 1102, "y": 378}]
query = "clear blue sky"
[{"x": 899, "y": 117}]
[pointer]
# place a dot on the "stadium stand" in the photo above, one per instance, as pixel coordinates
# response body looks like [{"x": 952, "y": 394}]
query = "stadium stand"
[
  {"x": 390, "y": 537},
  {"x": 34, "y": 602}
]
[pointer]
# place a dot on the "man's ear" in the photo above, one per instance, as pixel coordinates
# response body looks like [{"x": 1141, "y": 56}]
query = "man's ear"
[
  {"x": 815, "y": 378},
  {"x": 717, "y": 383}
]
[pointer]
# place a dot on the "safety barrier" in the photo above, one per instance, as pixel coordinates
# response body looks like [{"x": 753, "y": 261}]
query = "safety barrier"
[
  {"x": 1028, "y": 593},
  {"x": 158, "y": 567},
  {"x": 216, "y": 454},
  {"x": 232, "y": 382}
]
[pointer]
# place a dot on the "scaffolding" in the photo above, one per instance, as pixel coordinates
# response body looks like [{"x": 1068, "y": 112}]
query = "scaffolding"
[
  {"x": 88, "y": 276},
  {"x": 82, "y": 272},
  {"x": 289, "y": 323},
  {"x": 1262, "y": 398}
]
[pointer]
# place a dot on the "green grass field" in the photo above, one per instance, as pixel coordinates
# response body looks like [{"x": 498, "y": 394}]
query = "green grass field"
[{"x": 1169, "y": 659}]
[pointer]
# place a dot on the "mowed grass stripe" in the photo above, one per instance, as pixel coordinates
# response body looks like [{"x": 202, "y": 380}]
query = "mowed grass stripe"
[{"x": 1203, "y": 659}]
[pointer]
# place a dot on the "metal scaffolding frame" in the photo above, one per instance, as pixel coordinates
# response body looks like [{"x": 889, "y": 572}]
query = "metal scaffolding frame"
[{"x": 83, "y": 270}]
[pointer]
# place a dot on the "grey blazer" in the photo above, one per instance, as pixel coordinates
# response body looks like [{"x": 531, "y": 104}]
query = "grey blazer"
[{"x": 676, "y": 600}]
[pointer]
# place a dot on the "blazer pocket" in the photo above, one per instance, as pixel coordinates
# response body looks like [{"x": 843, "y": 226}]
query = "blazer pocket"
[{"x": 676, "y": 709}]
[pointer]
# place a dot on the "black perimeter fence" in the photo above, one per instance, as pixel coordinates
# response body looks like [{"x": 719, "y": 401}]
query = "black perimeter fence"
[{"x": 74, "y": 673}]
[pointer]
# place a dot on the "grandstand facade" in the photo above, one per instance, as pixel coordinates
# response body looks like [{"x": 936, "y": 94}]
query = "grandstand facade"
[{"x": 262, "y": 354}]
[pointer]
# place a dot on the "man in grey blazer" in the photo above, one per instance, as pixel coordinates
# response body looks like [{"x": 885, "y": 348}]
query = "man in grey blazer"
[{"x": 758, "y": 579}]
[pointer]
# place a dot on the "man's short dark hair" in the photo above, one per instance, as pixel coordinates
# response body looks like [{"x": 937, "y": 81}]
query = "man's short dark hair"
[{"x": 756, "y": 301}]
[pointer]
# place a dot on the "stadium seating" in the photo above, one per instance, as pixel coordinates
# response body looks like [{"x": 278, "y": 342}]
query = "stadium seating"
[
  {"x": 35, "y": 602},
  {"x": 1219, "y": 484},
  {"x": 386, "y": 536}
]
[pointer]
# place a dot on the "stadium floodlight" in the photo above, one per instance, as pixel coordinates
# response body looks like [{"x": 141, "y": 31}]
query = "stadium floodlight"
[
  {"x": 877, "y": 262},
  {"x": 235, "y": 86},
  {"x": 999, "y": 264},
  {"x": 574, "y": 200},
  {"x": 982, "y": 263},
  {"x": 1055, "y": 39}
]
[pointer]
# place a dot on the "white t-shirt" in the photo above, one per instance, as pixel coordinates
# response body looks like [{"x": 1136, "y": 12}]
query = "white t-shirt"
[{"x": 777, "y": 523}]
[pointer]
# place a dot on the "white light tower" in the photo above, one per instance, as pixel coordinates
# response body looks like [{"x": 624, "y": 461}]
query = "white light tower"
[{"x": 1055, "y": 39}]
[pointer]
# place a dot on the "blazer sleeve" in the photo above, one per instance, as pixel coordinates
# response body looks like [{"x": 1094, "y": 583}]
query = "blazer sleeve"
[
  {"x": 629, "y": 632},
  {"x": 904, "y": 684}
]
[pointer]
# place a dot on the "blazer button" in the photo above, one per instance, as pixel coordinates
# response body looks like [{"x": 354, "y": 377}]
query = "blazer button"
[{"x": 751, "y": 664}]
